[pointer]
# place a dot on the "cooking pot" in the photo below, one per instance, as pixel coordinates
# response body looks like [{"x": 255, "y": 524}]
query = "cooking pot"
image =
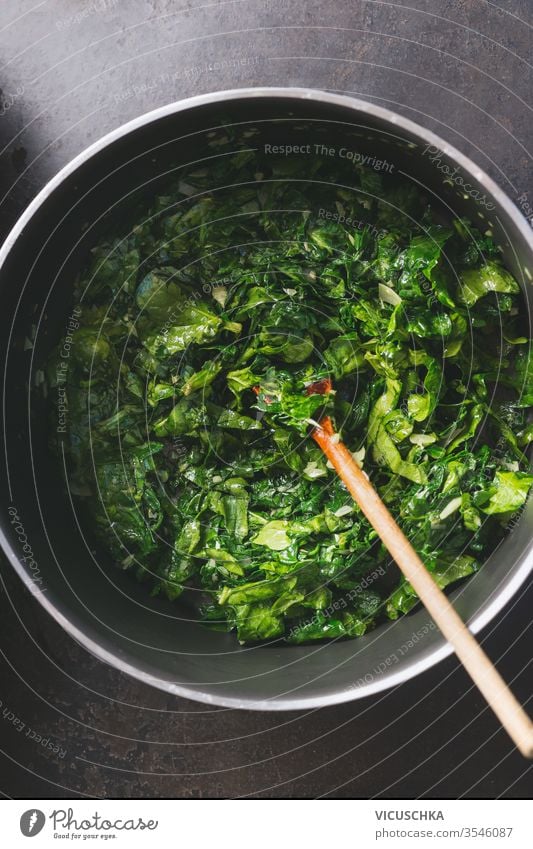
[{"x": 104, "y": 609}]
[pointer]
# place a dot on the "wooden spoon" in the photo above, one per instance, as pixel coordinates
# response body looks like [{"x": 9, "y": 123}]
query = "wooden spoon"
[{"x": 483, "y": 673}]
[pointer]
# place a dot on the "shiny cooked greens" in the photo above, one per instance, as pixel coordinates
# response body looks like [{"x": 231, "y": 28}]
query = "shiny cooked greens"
[{"x": 214, "y": 493}]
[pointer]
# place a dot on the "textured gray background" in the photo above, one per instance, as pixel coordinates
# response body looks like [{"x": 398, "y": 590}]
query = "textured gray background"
[{"x": 73, "y": 70}]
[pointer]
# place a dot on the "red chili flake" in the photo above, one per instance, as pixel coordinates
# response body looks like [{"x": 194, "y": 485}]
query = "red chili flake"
[{"x": 319, "y": 387}]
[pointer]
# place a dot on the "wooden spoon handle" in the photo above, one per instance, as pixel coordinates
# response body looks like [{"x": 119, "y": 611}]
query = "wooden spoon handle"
[{"x": 475, "y": 661}]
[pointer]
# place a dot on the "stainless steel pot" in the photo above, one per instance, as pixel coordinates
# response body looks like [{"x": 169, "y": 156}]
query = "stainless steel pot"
[{"x": 105, "y": 611}]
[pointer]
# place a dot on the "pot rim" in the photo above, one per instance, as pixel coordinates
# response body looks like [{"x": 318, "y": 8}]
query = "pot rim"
[{"x": 57, "y": 610}]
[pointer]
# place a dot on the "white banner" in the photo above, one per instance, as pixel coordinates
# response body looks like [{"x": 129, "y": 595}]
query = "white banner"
[{"x": 229, "y": 824}]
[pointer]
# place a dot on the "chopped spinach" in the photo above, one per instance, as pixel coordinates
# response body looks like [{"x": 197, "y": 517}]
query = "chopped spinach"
[{"x": 188, "y": 417}]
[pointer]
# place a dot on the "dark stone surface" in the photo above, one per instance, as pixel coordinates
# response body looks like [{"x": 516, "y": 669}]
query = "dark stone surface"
[{"x": 74, "y": 69}]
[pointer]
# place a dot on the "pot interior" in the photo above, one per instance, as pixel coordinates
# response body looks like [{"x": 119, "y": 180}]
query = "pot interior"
[{"x": 102, "y": 606}]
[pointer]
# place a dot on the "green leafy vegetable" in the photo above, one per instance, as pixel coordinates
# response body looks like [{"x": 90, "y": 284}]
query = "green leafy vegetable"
[
  {"x": 491, "y": 277},
  {"x": 508, "y": 492},
  {"x": 188, "y": 411}
]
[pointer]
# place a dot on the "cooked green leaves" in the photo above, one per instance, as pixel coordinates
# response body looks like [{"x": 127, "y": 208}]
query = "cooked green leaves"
[
  {"x": 189, "y": 413},
  {"x": 490, "y": 277}
]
